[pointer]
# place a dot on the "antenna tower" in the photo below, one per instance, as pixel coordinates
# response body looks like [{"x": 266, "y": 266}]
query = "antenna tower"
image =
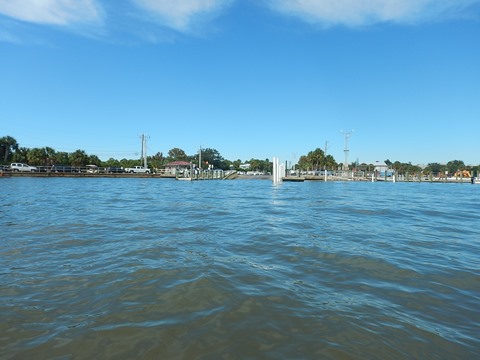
[{"x": 347, "y": 135}]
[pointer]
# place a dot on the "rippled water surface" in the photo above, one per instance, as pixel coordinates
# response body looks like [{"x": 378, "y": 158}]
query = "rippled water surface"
[{"x": 165, "y": 269}]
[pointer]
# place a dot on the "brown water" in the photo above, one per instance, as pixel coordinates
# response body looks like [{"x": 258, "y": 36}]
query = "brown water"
[{"x": 162, "y": 269}]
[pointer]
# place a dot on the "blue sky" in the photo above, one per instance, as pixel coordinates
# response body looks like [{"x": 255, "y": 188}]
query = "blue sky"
[{"x": 252, "y": 79}]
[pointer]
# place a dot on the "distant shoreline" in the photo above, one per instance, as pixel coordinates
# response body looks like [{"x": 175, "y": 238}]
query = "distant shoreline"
[{"x": 239, "y": 177}]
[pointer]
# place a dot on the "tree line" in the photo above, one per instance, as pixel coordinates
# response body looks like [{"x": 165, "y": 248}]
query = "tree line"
[{"x": 11, "y": 151}]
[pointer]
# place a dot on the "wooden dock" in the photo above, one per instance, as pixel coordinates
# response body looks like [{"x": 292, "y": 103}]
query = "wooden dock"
[{"x": 293, "y": 179}]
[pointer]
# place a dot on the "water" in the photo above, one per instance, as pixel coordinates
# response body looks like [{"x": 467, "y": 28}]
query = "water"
[{"x": 165, "y": 269}]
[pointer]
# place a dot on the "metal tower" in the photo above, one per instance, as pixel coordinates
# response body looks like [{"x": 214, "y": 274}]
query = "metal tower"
[{"x": 347, "y": 135}]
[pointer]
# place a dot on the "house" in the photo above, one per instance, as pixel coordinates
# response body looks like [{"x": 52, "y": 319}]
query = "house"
[
  {"x": 177, "y": 166},
  {"x": 382, "y": 169}
]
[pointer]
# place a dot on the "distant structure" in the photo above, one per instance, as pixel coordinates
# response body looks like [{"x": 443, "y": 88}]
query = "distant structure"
[
  {"x": 278, "y": 171},
  {"x": 326, "y": 148},
  {"x": 347, "y": 135},
  {"x": 200, "y": 157},
  {"x": 144, "y": 149},
  {"x": 177, "y": 167}
]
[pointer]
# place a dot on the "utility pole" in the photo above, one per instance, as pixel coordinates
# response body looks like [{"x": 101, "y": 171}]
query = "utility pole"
[
  {"x": 144, "y": 149},
  {"x": 325, "y": 155},
  {"x": 200, "y": 158},
  {"x": 143, "y": 143},
  {"x": 347, "y": 134}
]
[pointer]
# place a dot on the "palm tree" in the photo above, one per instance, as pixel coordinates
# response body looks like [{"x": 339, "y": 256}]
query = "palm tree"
[
  {"x": 94, "y": 160},
  {"x": 20, "y": 154},
  {"x": 316, "y": 158},
  {"x": 78, "y": 158},
  {"x": 36, "y": 156},
  {"x": 50, "y": 156},
  {"x": 8, "y": 145},
  {"x": 61, "y": 158}
]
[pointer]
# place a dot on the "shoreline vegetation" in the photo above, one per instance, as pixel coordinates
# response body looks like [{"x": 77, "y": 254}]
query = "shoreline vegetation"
[{"x": 316, "y": 161}]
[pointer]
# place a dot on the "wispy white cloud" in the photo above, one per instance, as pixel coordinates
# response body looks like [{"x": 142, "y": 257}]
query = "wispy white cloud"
[
  {"x": 99, "y": 18},
  {"x": 364, "y": 12},
  {"x": 54, "y": 12},
  {"x": 182, "y": 14}
]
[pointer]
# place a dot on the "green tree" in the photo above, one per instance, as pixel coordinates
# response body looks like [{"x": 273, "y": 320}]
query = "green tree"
[
  {"x": 403, "y": 168},
  {"x": 397, "y": 165},
  {"x": 236, "y": 164},
  {"x": 20, "y": 155},
  {"x": 228, "y": 164},
  {"x": 454, "y": 166},
  {"x": 94, "y": 160},
  {"x": 261, "y": 165},
  {"x": 255, "y": 164},
  {"x": 41, "y": 156},
  {"x": 157, "y": 161},
  {"x": 267, "y": 166},
  {"x": 111, "y": 162},
  {"x": 50, "y": 156},
  {"x": 129, "y": 162},
  {"x": 330, "y": 162},
  {"x": 36, "y": 156},
  {"x": 78, "y": 158},
  {"x": 316, "y": 160},
  {"x": 8, "y": 145},
  {"x": 176, "y": 154},
  {"x": 61, "y": 157},
  {"x": 434, "y": 168},
  {"x": 213, "y": 157},
  {"x": 304, "y": 163}
]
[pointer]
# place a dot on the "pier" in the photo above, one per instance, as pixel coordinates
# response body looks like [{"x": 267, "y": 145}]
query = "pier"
[
  {"x": 192, "y": 175},
  {"x": 371, "y": 177},
  {"x": 233, "y": 175}
]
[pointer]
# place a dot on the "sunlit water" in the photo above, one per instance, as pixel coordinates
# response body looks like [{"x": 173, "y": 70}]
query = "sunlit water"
[{"x": 165, "y": 269}]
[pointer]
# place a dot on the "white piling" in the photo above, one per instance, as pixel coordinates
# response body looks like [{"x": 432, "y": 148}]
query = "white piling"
[{"x": 278, "y": 171}]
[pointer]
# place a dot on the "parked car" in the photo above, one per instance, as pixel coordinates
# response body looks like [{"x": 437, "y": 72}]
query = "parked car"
[
  {"x": 60, "y": 168},
  {"x": 4, "y": 168},
  {"x": 137, "y": 170},
  {"x": 115, "y": 169},
  {"x": 21, "y": 167},
  {"x": 92, "y": 169}
]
